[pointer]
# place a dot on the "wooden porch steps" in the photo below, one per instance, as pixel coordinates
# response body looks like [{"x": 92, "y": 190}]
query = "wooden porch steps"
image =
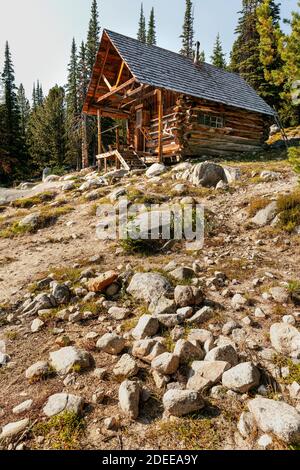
[{"x": 127, "y": 159}]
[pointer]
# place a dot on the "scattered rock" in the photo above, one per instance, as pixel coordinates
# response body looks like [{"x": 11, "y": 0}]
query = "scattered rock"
[
  {"x": 102, "y": 282},
  {"x": 186, "y": 296},
  {"x": 149, "y": 287},
  {"x": 241, "y": 378},
  {"x": 111, "y": 344},
  {"x": 13, "y": 429},
  {"x": 147, "y": 326},
  {"x": 70, "y": 358},
  {"x": 129, "y": 398},
  {"x": 277, "y": 418},
  {"x": 182, "y": 402},
  {"x": 225, "y": 353},
  {"x": 166, "y": 363},
  {"x": 187, "y": 351},
  {"x": 202, "y": 316},
  {"x": 285, "y": 339},
  {"x": 119, "y": 313},
  {"x": 36, "y": 325},
  {"x": 247, "y": 425},
  {"x": 155, "y": 170},
  {"x": 37, "y": 370},
  {"x": 203, "y": 373},
  {"x": 22, "y": 407},
  {"x": 266, "y": 215},
  {"x": 61, "y": 402},
  {"x": 126, "y": 367}
]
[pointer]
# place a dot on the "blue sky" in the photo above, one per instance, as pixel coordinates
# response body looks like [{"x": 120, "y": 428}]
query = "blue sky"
[{"x": 40, "y": 31}]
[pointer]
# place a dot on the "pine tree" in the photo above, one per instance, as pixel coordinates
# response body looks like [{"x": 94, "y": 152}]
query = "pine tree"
[
  {"x": 245, "y": 57},
  {"x": 268, "y": 26},
  {"x": 188, "y": 31},
  {"x": 14, "y": 143},
  {"x": 24, "y": 107},
  {"x": 93, "y": 38},
  {"x": 290, "y": 74},
  {"x": 82, "y": 79},
  {"x": 39, "y": 94},
  {"x": 73, "y": 117},
  {"x": 47, "y": 129},
  {"x": 142, "y": 34},
  {"x": 218, "y": 57},
  {"x": 34, "y": 98},
  {"x": 151, "y": 35}
]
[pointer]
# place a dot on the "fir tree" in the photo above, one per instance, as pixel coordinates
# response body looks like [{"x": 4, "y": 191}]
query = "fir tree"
[
  {"x": 188, "y": 31},
  {"x": 245, "y": 57},
  {"x": 39, "y": 94},
  {"x": 268, "y": 26},
  {"x": 73, "y": 118},
  {"x": 202, "y": 57},
  {"x": 93, "y": 38},
  {"x": 47, "y": 129},
  {"x": 289, "y": 76},
  {"x": 34, "y": 98},
  {"x": 142, "y": 34},
  {"x": 24, "y": 107},
  {"x": 14, "y": 144},
  {"x": 82, "y": 79},
  {"x": 218, "y": 57},
  {"x": 151, "y": 35}
]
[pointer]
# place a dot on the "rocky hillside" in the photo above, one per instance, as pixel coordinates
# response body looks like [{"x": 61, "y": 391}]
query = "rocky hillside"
[{"x": 108, "y": 344}]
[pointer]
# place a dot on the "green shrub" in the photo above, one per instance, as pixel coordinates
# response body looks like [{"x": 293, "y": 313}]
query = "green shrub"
[
  {"x": 294, "y": 158},
  {"x": 289, "y": 211}
]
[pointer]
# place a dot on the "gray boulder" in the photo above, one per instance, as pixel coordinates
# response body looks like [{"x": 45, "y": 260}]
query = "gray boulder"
[
  {"x": 182, "y": 402},
  {"x": 61, "y": 402},
  {"x": 241, "y": 378},
  {"x": 285, "y": 339},
  {"x": 66, "y": 359},
  {"x": 129, "y": 398},
  {"x": 277, "y": 418}
]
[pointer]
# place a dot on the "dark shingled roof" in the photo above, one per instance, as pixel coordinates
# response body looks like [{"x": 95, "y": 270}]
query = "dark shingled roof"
[{"x": 152, "y": 65}]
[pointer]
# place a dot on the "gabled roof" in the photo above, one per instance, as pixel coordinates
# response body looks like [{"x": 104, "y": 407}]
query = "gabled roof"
[{"x": 154, "y": 66}]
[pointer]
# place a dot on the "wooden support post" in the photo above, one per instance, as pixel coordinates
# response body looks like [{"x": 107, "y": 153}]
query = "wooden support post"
[
  {"x": 160, "y": 124},
  {"x": 99, "y": 121},
  {"x": 105, "y": 165},
  {"x": 85, "y": 155},
  {"x": 118, "y": 139}
]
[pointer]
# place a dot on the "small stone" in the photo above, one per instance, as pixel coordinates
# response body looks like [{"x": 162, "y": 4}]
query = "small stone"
[
  {"x": 68, "y": 358},
  {"x": 119, "y": 313},
  {"x": 246, "y": 425},
  {"x": 241, "y": 378},
  {"x": 265, "y": 442},
  {"x": 285, "y": 339},
  {"x": 277, "y": 418},
  {"x": 202, "y": 316},
  {"x": 100, "y": 373},
  {"x": 61, "y": 293},
  {"x": 203, "y": 373},
  {"x": 187, "y": 351},
  {"x": 247, "y": 321},
  {"x": 229, "y": 327},
  {"x": 182, "y": 273},
  {"x": 112, "y": 290},
  {"x": 25, "y": 406},
  {"x": 223, "y": 353},
  {"x": 166, "y": 363},
  {"x": 294, "y": 390},
  {"x": 111, "y": 424},
  {"x": 102, "y": 282},
  {"x": 259, "y": 313},
  {"x": 279, "y": 294},
  {"x": 37, "y": 370},
  {"x": 182, "y": 402},
  {"x": 111, "y": 344},
  {"x": 289, "y": 319},
  {"x": 147, "y": 326},
  {"x": 238, "y": 301},
  {"x": 160, "y": 380},
  {"x": 98, "y": 396},
  {"x": 218, "y": 392},
  {"x": 63, "y": 341},
  {"x": 126, "y": 367},
  {"x": 36, "y": 325},
  {"x": 187, "y": 296},
  {"x": 129, "y": 398},
  {"x": 61, "y": 402},
  {"x": 13, "y": 429}
]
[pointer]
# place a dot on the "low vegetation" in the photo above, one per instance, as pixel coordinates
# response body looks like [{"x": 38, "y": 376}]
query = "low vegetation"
[
  {"x": 289, "y": 211},
  {"x": 27, "y": 203}
]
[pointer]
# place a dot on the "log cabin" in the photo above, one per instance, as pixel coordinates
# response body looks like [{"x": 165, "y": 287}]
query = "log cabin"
[{"x": 172, "y": 107}]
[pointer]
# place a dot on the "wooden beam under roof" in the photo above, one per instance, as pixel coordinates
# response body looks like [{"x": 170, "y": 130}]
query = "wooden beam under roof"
[{"x": 116, "y": 90}]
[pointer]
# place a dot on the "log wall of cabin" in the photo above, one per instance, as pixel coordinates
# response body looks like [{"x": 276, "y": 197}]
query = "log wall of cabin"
[
  {"x": 242, "y": 130},
  {"x": 184, "y": 135}
]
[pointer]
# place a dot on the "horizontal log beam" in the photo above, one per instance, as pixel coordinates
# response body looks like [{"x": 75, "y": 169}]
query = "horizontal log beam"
[{"x": 116, "y": 90}]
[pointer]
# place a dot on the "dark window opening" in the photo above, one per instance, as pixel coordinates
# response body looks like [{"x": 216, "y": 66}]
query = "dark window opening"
[{"x": 210, "y": 120}]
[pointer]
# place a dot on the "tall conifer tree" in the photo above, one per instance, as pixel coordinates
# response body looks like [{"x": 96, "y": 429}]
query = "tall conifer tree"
[
  {"x": 93, "y": 38},
  {"x": 24, "y": 107},
  {"x": 151, "y": 35},
  {"x": 218, "y": 57},
  {"x": 142, "y": 34},
  {"x": 188, "y": 31}
]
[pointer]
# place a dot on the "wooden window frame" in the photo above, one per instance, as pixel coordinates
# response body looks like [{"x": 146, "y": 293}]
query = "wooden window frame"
[{"x": 211, "y": 120}]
